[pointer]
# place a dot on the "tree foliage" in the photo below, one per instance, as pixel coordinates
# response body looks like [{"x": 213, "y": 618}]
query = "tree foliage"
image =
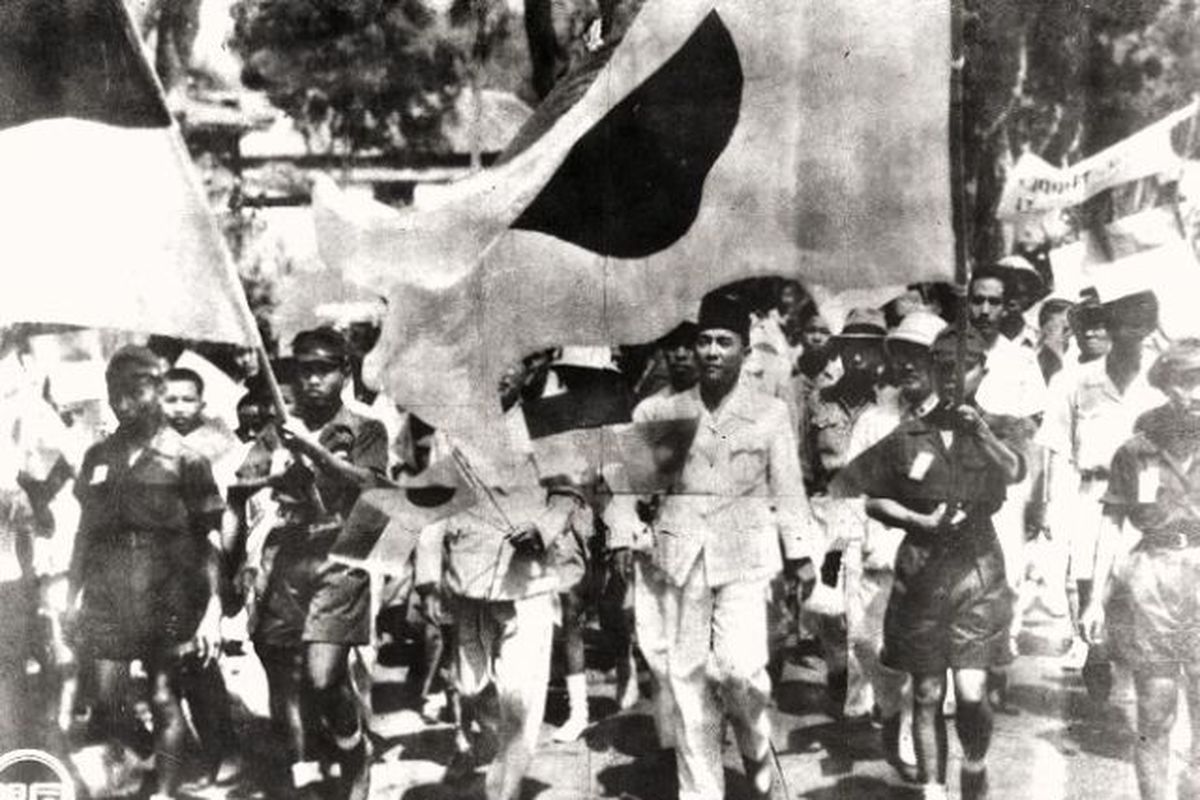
[
  {"x": 1065, "y": 79},
  {"x": 366, "y": 73}
]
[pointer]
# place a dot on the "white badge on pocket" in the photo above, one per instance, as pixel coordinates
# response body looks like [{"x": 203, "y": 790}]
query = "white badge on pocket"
[
  {"x": 920, "y": 465},
  {"x": 1148, "y": 483},
  {"x": 99, "y": 474}
]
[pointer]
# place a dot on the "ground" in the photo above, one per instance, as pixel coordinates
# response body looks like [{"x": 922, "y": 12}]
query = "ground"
[{"x": 1057, "y": 745}]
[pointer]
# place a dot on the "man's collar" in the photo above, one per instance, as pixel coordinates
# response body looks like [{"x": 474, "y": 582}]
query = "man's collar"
[{"x": 735, "y": 403}]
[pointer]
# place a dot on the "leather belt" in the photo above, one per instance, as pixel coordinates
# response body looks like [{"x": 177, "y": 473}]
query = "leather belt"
[{"x": 1172, "y": 540}]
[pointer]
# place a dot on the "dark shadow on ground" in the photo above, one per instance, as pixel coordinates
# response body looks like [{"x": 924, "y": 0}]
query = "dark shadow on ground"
[
  {"x": 860, "y": 787},
  {"x": 844, "y": 744},
  {"x": 468, "y": 790},
  {"x": 800, "y": 697},
  {"x": 630, "y": 734}
]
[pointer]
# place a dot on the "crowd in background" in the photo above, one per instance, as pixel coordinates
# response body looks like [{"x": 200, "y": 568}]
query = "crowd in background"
[{"x": 141, "y": 545}]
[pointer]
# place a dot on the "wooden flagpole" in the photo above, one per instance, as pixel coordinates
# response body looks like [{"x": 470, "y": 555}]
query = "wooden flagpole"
[{"x": 958, "y": 201}]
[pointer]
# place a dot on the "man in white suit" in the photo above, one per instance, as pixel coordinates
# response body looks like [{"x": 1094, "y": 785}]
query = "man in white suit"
[{"x": 737, "y": 504}]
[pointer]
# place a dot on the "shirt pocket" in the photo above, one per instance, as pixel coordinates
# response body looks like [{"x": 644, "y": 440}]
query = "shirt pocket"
[{"x": 748, "y": 466}]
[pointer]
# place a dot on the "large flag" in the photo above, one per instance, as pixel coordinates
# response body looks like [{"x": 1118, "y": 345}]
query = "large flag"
[
  {"x": 723, "y": 139},
  {"x": 105, "y": 223}
]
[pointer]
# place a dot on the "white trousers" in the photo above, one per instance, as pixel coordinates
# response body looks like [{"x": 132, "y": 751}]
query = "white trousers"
[
  {"x": 656, "y": 614},
  {"x": 717, "y": 664},
  {"x": 507, "y": 644}
]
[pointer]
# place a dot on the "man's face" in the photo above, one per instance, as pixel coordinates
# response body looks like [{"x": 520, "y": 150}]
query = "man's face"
[
  {"x": 985, "y": 306},
  {"x": 861, "y": 358},
  {"x": 720, "y": 353},
  {"x": 319, "y": 382},
  {"x": 246, "y": 362},
  {"x": 511, "y": 381},
  {"x": 682, "y": 369},
  {"x": 1184, "y": 392},
  {"x": 1093, "y": 340},
  {"x": 944, "y": 375},
  {"x": 182, "y": 405},
  {"x": 790, "y": 301},
  {"x": 814, "y": 336},
  {"x": 1056, "y": 332},
  {"x": 135, "y": 399},
  {"x": 912, "y": 369}
]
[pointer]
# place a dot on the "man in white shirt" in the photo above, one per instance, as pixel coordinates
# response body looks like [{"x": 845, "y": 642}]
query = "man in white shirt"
[{"x": 1091, "y": 412}]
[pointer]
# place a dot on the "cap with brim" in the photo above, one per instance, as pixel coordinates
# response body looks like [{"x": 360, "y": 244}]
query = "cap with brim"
[
  {"x": 1020, "y": 277},
  {"x": 1139, "y": 306},
  {"x": 919, "y": 328},
  {"x": 723, "y": 312},
  {"x": 1088, "y": 314},
  {"x": 134, "y": 361},
  {"x": 945, "y": 346},
  {"x": 863, "y": 323},
  {"x": 320, "y": 345}
]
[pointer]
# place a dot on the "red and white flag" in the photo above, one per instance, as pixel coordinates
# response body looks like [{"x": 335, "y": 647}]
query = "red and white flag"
[
  {"x": 723, "y": 139},
  {"x": 105, "y": 222}
]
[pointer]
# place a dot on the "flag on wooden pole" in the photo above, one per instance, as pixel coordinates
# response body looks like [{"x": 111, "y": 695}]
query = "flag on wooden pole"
[
  {"x": 105, "y": 222},
  {"x": 723, "y": 139}
]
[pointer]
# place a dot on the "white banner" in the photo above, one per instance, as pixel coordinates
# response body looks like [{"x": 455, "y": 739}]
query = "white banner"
[{"x": 1036, "y": 186}]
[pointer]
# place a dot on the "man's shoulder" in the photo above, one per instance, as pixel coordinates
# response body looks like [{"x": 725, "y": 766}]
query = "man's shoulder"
[{"x": 360, "y": 424}]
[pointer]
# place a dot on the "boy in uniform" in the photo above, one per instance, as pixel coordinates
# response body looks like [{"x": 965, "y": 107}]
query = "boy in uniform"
[
  {"x": 310, "y": 611},
  {"x": 1152, "y": 600},
  {"x": 204, "y": 687},
  {"x": 142, "y": 557},
  {"x": 941, "y": 478}
]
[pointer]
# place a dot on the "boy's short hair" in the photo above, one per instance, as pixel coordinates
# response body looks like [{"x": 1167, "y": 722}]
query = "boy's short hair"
[
  {"x": 133, "y": 361},
  {"x": 183, "y": 374},
  {"x": 1053, "y": 307}
]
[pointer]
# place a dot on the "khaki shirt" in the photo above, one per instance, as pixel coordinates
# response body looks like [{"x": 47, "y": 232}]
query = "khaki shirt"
[{"x": 1146, "y": 488}]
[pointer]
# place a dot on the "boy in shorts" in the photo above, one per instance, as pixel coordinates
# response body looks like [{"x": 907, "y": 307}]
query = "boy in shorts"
[
  {"x": 142, "y": 558},
  {"x": 940, "y": 478}
]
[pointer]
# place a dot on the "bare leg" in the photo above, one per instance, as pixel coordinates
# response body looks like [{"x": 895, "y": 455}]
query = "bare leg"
[
  {"x": 1158, "y": 701},
  {"x": 170, "y": 728},
  {"x": 974, "y": 723},
  {"x": 284, "y": 670},
  {"x": 338, "y": 707},
  {"x": 929, "y": 727}
]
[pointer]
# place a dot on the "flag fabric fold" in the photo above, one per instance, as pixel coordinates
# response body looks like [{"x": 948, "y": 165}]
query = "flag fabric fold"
[
  {"x": 106, "y": 223},
  {"x": 723, "y": 139}
]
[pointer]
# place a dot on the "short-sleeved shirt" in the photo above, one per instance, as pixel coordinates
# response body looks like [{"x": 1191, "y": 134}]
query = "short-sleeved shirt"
[
  {"x": 359, "y": 440},
  {"x": 1013, "y": 385},
  {"x": 168, "y": 487},
  {"x": 827, "y": 424},
  {"x": 915, "y": 466},
  {"x": 1145, "y": 487},
  {"x": 1088, "y": 417},
  {"x": 143, "y": 533}
]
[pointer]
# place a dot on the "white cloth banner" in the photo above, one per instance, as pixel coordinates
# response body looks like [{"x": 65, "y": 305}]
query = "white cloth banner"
[{"x": 1035, "y": 186}]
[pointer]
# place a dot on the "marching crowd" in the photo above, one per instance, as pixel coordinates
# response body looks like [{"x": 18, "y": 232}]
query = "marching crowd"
[{"x": 875, "y": 490}]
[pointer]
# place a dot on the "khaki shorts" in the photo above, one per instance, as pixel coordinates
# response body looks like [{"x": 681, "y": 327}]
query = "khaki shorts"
[{"x": 950, "y": 608}]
